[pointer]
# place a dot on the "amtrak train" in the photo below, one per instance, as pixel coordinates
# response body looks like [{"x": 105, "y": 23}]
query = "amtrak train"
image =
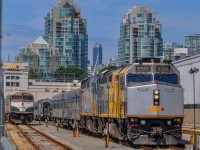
[
  {"x": 142, "y": 102},
  {"x": 19, "y": 107}
]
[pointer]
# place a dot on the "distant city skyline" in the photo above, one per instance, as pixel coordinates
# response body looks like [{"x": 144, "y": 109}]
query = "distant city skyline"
[
  {"x": 23, "y": 22},
  {"x": 97, "y": 55}
]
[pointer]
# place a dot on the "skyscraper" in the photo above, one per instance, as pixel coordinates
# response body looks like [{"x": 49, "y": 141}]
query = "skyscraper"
[
  {"x": 97, "y": 55},
  {"x": 66, "y": 31},
  {"x": 192, "y": 42},
  {"x": 37, "y": 55},
  {"x": 140, "y": 35}
]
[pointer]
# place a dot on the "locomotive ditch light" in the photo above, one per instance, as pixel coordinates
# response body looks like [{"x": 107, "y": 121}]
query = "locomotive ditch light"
[
  {"x": 156, "y": 103},
  {"x": 156, "y": 92},
  {"x": 156, "y": 96}
]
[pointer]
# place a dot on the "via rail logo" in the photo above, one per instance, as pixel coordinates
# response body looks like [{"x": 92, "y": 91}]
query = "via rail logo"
[{"x": 156, "y": 109}]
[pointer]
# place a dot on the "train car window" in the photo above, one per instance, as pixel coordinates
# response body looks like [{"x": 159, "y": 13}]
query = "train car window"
[
  {"x": 139, "y": 77},
  {"x": 168, "y": 78},
  {"x": 68, "y": 105}
]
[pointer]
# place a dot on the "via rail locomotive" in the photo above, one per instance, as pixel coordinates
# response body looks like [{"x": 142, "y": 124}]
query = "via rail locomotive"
[
  {"x": 19, "y": 107},
  {"x": 142, "y": 102}
]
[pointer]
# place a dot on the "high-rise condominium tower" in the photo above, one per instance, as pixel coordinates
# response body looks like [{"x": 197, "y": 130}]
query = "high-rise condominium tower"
[
  {"x": 140, "y": 35},
  {"x": 192, "y": 42},
  {"x": 97, "y": 55},
  {"x": 66, "y": 31}
]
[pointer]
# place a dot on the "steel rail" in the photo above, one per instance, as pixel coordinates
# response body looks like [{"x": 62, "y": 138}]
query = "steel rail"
[
  {"x": 63, "y": 146},
  {"x": 52, "y": 140},
  {"x": 146, "y": 148},
  {"x": 27, "y": 138},
  {"x": 175, "y": 148}
]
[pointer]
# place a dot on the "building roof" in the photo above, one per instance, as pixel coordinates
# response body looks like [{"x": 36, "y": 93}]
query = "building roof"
[{"x": 40, "y": 40}]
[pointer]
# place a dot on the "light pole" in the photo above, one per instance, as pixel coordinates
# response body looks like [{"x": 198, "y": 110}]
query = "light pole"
[{"x": 192, "y": 71}]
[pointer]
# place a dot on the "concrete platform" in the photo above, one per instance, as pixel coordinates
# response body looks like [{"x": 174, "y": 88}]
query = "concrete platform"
[{"x": 83, "y": 142}]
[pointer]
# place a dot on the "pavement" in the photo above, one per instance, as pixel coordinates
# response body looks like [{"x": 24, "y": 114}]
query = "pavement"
[{"x": 84, "y": 142}]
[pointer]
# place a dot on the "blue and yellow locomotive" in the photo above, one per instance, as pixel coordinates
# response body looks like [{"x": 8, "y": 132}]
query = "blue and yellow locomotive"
[{"x": 142, "y": 103}]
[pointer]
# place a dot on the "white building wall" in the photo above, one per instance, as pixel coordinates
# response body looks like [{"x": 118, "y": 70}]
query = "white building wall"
[
  {"x": 43, "y": 90},
  {"x": 184, "y": 66},
  {"x": 40, "y": 90},
  {"x": 11, "y": 70}
]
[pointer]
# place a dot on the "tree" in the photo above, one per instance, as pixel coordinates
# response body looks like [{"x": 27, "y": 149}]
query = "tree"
[
  {"x": 109, "y": 68},
  {"x": 32, "y": 74},
  {"x": 70, "y": 73}
]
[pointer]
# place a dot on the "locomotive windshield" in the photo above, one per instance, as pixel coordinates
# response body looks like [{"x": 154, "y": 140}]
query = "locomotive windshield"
[
  {"x": 28, "y": 97},
  {"x": 168, "y": 78},
  {"x": 16, "y": 97},
  {"x": 139, "y": 77}
]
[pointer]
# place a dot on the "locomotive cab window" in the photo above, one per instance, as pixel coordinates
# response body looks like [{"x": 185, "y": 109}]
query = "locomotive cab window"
[
  {"x": 168, "y": 78},
  {"x": 16, "y": 97},
  {"x": 135, "y": 78}
]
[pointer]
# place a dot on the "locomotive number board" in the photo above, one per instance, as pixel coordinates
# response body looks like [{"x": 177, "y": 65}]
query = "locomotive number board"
[
  {"x": 162, "y": 68},
  {"x": 142, "y": 68}
]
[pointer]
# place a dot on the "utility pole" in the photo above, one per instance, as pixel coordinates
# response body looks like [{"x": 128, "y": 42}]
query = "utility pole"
[
  {"x": 192, "y": 71},
  {"x": 2, "y": 113}
]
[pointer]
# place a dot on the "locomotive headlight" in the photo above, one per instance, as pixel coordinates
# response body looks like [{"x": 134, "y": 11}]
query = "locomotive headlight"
[
  {"x": 143, "y": 122},
  {"x": 156, "y": 96},
  {"x": 156, "y": 92},
  {"x": 169, "y": 122}
]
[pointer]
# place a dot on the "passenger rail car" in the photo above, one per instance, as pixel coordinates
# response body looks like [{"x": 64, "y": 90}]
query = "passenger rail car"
[
  {"x": 42, "y": 109},
  {"x": 19, "y": 107},
  {"x": 142, "y": 102},
  {"x": 65, "y": 107}
]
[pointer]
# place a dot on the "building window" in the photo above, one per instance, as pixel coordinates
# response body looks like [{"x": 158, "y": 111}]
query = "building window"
[
  {"x": 7, "y": 83},
  {"x": 17, "y": 77},
  {"x": 8, "y": 77},
  {"x": 17, "y": 84},
  {"x": 12, "y": 84},
  {"x": 12, "y": 77}
]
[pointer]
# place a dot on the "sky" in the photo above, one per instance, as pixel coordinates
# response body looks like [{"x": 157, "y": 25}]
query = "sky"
[{"x": 23, "y": 22}]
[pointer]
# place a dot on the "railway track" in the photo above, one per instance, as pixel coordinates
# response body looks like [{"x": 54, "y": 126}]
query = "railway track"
[
  {"x": 39, "y": 140},
  {"x": 160, "y": 148},
  {"x": 190, "y": 130}
]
